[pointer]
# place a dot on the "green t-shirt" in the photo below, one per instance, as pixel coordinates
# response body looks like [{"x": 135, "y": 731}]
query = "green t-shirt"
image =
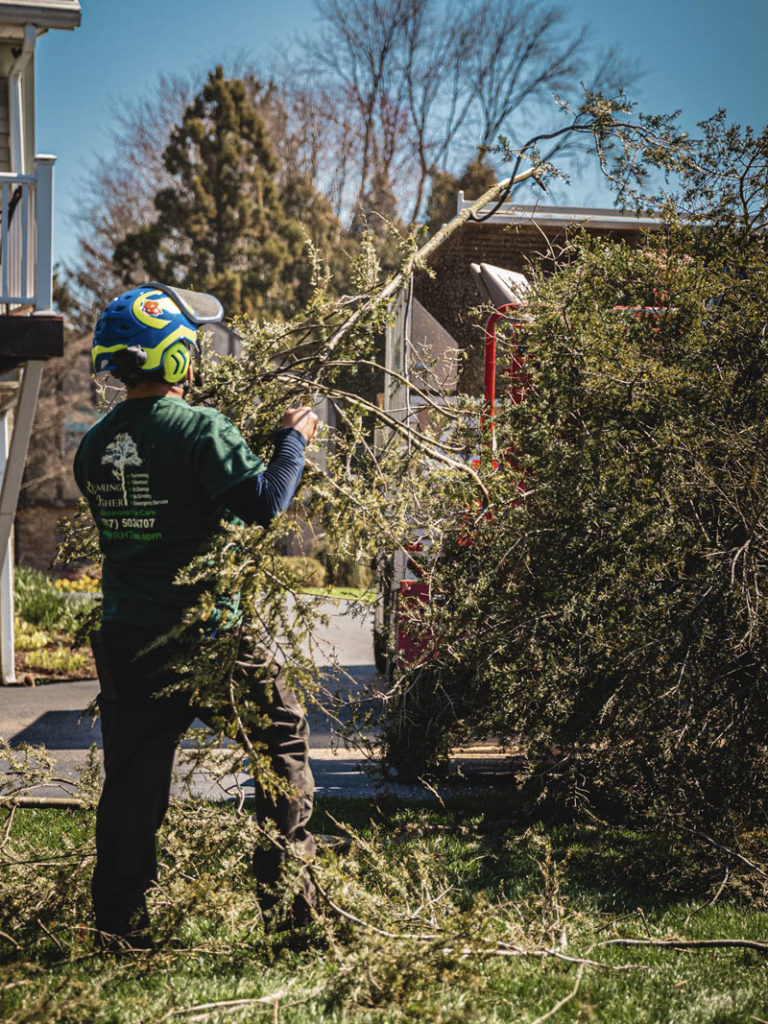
[{"x": 153, "y": 471}]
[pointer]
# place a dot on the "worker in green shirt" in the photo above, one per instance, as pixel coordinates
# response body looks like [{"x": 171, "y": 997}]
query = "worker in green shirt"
[{"x": 159, "y": 476}]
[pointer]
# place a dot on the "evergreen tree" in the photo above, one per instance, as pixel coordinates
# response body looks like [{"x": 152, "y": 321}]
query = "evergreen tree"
[
  {"x": 220, "y": 226},
  {"x": 476, "y": 177},
  {"x": 376, "y": 216},
  {"x": 310, "y": 215},
  {"x": 376, "y": 212}
]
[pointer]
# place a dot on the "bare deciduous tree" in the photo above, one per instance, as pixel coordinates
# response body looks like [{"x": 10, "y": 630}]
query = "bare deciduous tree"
[
  {"x": 429, "y": 83},
  {"x": 433, "y": 69},
  {"x": 358, "y": 49},
  {"x": 120, "y": 191},
  {"x": 386, "y": 95}
]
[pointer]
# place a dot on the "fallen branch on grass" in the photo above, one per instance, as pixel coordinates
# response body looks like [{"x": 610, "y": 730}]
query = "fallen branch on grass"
[
  {"x": 45, "y": 801},
  {"x": 13, "y": 942},
  {"x": 564, "y": 1000},
  {"x": 203, "y": 1010},
  {"x": 499, "y": 949},
  {"x": 759, "y": 947},
  {"x": 8, "y": 827},
  {"x": 725, "y": 849},
  {"x": 711, "y": 902}
]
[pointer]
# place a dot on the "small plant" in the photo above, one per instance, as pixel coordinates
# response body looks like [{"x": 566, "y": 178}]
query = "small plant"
[
  {"x": 305, "y": 571},
  {"x": 39, "y": 602},
  {"x": 28, "y": 638},
  {"x": 59, "y": 659},
  {"x": 85, "y": 584}
]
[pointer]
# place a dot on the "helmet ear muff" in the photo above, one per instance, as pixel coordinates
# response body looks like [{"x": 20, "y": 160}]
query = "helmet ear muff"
[
  {"x": 127, "y": 364},
  {"x": 176, "y": 362}
]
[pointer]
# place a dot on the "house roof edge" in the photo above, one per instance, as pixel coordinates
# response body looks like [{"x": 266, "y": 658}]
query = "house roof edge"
[
  {"x": 597, "y": 216},
  {"x": 48, "y": 14}
]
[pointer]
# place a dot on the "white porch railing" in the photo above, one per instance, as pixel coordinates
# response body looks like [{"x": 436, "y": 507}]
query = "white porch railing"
[
  {"x": 26, "y": 286},
  {"x": 26, "y": 238}
]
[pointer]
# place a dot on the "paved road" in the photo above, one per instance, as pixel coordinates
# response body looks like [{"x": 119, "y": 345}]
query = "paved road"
[{"x": 54, "y": 715}]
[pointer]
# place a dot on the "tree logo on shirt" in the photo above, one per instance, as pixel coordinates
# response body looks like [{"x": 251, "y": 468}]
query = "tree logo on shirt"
[{"x": 120, "y": 453}]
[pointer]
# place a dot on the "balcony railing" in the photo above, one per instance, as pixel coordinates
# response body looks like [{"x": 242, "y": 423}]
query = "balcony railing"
[{"x": 26, "y": 238}]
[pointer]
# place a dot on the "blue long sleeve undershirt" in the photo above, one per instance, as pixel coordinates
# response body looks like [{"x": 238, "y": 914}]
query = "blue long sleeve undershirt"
[{"x": 259, "y": 498}]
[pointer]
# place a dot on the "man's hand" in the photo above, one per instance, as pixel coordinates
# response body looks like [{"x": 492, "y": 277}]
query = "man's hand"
[{"x": 303, "y": 420}]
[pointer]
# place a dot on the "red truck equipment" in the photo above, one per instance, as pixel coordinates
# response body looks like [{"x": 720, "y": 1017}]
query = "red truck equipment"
[{"x": 505, "y": 289}]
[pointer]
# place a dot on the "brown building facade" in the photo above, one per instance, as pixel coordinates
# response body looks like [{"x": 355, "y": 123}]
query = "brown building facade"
[{"x": 512, "y": 238}]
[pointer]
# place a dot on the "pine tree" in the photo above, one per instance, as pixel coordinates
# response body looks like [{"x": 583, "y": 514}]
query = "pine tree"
[
  {"x": 310, "y": 215},
  {"x": 476, "y": 177},
  {"x": 220, "y": 226}
]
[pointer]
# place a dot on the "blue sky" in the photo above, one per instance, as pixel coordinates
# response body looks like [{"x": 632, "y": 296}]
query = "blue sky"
[{"x": 696, "y": 55}]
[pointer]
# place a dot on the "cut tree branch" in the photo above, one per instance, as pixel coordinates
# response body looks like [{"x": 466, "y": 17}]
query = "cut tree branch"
[
  {"x": 759, "y": 947},
  {"x": 390, "y": 289}
]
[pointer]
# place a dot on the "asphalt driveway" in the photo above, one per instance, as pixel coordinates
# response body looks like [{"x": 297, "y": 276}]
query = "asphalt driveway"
[{"x": 55, "y": 716}]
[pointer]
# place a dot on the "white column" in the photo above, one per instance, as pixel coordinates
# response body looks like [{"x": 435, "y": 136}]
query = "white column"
[
  {"x": 17, "y": 455},
  {"x": 44, "y": 261},
  {"x": 16, "y": 99},
  {"x": 27, "y": 403},
  {"x": 7, "y": 639}
]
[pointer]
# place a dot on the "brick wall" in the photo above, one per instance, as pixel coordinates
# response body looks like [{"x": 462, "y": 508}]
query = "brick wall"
[{"x": 451, "y": 294}]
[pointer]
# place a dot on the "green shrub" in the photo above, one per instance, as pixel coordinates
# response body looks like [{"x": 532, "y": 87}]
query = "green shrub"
[
  {"x": 307, "y": 572},
  {"x": 60, "y": 659},
  {"x": 611, "y": 619},
  {"x": 38, "y": 602},
  {"x": 360, "y": 576},
  {"x": 41, "y": 604},
  {"x": 342, "y": 572},
  {"x": 28, "y": 638}
]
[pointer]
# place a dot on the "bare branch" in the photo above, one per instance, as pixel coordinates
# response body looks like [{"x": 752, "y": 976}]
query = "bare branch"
[{"x": 693, "y": 944}]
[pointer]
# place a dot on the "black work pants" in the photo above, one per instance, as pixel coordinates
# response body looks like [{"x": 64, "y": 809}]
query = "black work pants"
[{"x": 141, "y": 731}]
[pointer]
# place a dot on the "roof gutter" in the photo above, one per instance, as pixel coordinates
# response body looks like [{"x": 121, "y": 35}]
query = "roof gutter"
[
  {"x": 65, "y": 14},
  {"x": 16, "y": 99},
  {"x": 563, "y": 216}
]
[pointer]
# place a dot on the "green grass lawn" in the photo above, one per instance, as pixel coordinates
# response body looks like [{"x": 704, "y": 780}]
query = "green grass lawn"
[{"x": 463, "y": 915}]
